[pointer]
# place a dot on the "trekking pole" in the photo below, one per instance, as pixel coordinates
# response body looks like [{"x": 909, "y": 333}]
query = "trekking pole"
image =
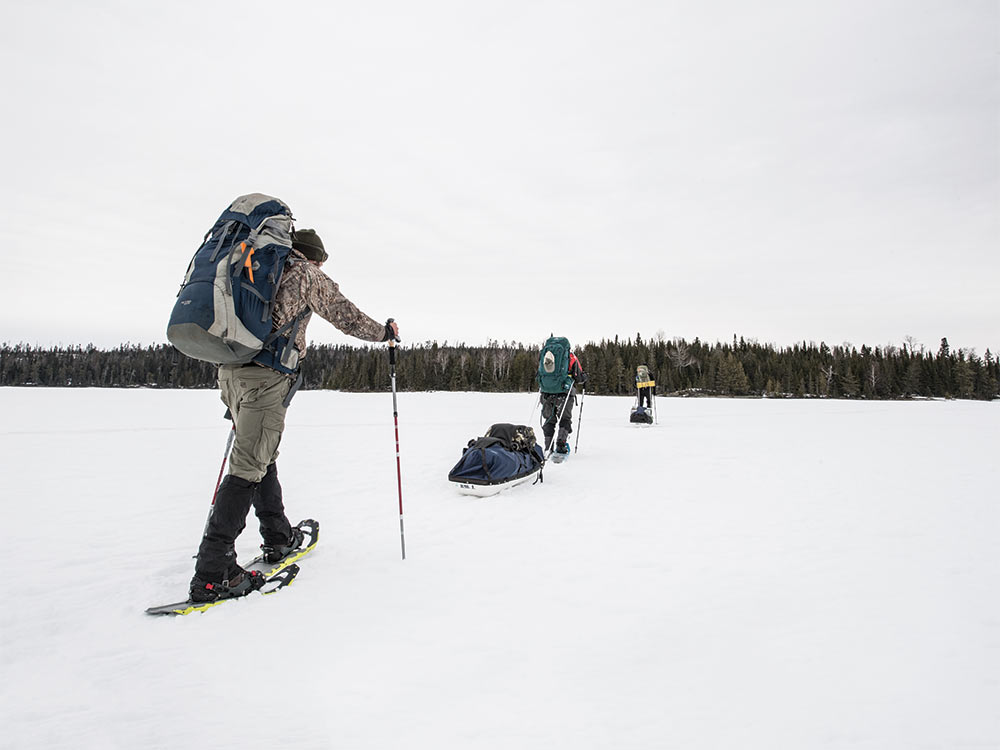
[
  {"x": 395, "y": 418},
  {"x": 218, "y": 482},
  {"x": 579, "y": 419},
  {"x": 225, "y": 456}
]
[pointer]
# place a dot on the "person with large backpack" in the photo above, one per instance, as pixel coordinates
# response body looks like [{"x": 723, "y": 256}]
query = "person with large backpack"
[
  {"x": 559, "y": 371},
  {"x": 644, "y": 410},
  {"x": 248, "y": 296},
  {"x": 645, "y": 386}
]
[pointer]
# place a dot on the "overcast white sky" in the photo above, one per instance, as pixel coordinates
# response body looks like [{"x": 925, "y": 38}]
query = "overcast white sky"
[{"x": 784, "y": 171}]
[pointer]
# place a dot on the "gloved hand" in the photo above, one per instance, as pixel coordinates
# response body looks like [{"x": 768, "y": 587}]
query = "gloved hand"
[
  {"x": 582, "y": 379},
  {"x": 391, "y": 331}
]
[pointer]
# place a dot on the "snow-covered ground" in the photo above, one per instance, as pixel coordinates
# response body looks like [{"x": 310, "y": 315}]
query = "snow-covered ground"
[{"x": 746, "y": 574}]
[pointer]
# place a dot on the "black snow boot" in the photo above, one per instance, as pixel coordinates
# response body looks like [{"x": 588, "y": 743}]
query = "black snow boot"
[
  {"x": 217, "y": 554},
  {"x": 275, "y": 529},
  {"x": 239, "y": 583},
  {"x": 277, "y": 552}
]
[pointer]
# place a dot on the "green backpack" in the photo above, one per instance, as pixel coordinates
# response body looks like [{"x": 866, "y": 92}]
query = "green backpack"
[{"x": 553, "y": 366}]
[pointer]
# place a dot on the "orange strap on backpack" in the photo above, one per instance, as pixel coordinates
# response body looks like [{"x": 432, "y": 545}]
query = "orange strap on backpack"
[{"x": 247, "y": 263}]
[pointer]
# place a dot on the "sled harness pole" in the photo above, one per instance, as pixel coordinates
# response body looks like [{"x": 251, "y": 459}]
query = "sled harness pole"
[
  {"x": 395, "y": 418},
  {"x": 579, "y": 419}
]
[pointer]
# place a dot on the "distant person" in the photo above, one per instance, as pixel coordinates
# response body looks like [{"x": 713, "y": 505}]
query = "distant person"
[
  {"x": 645, "y": 385},
  {"x": 558, "y": 371},
  {"x": 257, "y": 396}
]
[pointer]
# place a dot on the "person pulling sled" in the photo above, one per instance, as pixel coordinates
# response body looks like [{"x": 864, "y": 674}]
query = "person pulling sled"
[
  {"x": 271, "y": 283},
  {"x": 559, "y": 370},
  {"x": 643, "y": 411}
]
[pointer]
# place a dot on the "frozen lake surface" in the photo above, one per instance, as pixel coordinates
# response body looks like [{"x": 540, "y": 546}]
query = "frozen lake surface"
[{"x": 745, "y": 574}]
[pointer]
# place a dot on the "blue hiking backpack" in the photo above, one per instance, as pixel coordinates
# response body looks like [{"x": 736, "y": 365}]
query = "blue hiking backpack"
[
  {"x": 223, "y": 310},
  {"x": 553, "y": 366}
]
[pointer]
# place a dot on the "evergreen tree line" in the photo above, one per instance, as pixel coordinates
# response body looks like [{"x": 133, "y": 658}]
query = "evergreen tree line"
[{"x": 739, "y": 368}]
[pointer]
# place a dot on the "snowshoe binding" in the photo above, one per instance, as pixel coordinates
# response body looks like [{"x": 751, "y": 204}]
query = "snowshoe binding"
[
  {"x": 242, "y": 583},
  {"x": 273, "y": 553},
  {"x": 561, "y": 453},
  {"x": 274, "y": 557}
]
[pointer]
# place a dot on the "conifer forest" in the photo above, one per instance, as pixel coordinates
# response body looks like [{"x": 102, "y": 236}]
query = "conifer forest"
[{"x": 734, "y": 368}]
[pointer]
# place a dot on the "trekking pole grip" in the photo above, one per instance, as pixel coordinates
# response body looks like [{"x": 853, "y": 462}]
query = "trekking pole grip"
[{"x": 392, "y": 338}]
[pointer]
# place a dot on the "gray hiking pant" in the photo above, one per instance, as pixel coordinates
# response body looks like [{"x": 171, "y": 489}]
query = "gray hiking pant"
[
  {"x": 552, "y": 403},
  {"x": 255, "y": 396}
]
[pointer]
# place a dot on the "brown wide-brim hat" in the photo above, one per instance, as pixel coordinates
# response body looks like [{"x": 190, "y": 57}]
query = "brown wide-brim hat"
[{"x": 307, "y": 242}]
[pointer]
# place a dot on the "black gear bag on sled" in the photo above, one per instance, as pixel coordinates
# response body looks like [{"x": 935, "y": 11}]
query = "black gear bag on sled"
[
  {"x": 505, "y": 457},
  {"x": 641, "y": 415}
]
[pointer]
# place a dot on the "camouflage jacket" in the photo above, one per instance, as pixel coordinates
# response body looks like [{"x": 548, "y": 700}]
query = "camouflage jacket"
[{"x": 304, "y": 285}]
